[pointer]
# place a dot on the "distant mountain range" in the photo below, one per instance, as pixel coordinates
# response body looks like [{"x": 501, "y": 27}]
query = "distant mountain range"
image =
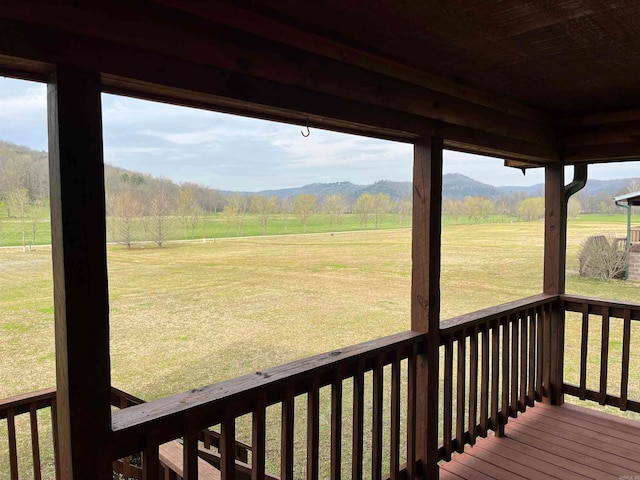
[{"x": 454, "y": 185}]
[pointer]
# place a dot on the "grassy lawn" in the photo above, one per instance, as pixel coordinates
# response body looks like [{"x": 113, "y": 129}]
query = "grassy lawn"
[{"x": 193, "y": 313}]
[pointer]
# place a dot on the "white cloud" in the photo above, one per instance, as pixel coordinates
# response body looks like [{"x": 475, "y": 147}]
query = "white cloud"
[
  {"x": 23, "y": 113},
  {"x": 233, "y": 152},
  {"x": 329, "y": 149}
]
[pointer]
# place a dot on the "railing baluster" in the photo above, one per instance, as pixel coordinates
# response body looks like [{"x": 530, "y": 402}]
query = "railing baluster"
[
  {"x": 584, "y": 342},
  {"x": 378, "y": 398},
  {"x": 604, "y": 311},
  {"x": 515, "y": 373},
  {"x": 190, "y": 455},
  {"x": 504, "y": 411},
  {"x": 412, "y": 368},
  {"x": 448, "y": 398},
  {"x": 287, "y": 433},
  {"x": 546, "y": 352},
  {"x": 151, "y": 462},
  {"x": 495, "y": 373},
  {"x": 604, "y": 355},
  {"x": 484, "y": 383},
  {"x": 336, "y": 429},
  {"x": 206, "y": 439},
  {"x": 532, "y": 358},
  {"x": 358, "y": 422},
  {"x": 460, "y": 392},
  {"x": 13, "y": 450},
  {"x": 395, "y": 420},
  {"x": 524, "y": 350},
  {"x": 258, "y": 439},
  {"x": 473, "y": 385},
  {"x": 540, "y": 349},
  {"x": 35, "y": 442},
  {"x": 126, "y": 464},
  {"x": 54, "y": 433},
  {"x": 227, "y": 446},
  {"x": 313, "y": 429},
  {"x": 626, "y": 346}
]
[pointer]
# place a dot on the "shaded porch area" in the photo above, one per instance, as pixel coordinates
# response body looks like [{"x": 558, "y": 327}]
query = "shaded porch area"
[{"x": 548, "y": 442}]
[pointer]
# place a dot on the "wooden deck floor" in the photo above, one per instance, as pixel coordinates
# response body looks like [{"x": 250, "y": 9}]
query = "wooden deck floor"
[{"x": 546, "y": 442}]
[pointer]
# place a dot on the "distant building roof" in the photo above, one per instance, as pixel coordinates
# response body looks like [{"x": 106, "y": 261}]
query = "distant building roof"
[{"x": 632, "y": 199}]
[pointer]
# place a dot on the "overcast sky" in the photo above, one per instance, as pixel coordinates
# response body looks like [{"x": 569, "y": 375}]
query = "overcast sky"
[{"x": 237, "y": 153}]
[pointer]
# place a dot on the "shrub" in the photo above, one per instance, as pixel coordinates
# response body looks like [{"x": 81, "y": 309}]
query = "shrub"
[{"x": 603, "y": 257}]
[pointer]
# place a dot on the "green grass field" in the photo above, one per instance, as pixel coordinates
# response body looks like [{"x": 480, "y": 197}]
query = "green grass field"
[
  {"x": 274, "y": 298},
  {"x": 194, "y": 313},
  {"x": 215, "y": 225}
]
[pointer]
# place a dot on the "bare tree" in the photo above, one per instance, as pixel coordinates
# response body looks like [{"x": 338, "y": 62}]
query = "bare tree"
[
  {"x": 531, "y": 208},
  {"x": 12, "y": 174},
  {"x": 365, "y": 205},
  {"x": 573, "y": 208},
  {"x": 188, "y": 210},
  {"x": 633, "y": 185},
  {"x": 303, "y": 206},
  {"x": 160, "y": 216},
  {"x": 125, "y": 209},
  {"x": 405, "y": 208},
  {"x": 235, "y": 212},
  {"x": 18, "y": 203},
  {"x": 335, "y": 206},
  {"x": 39, "y": 204},
  {"x": 285, "y": 207},
  {"x": 264, "y": 207},
  {"x": 382, "y": 205}
]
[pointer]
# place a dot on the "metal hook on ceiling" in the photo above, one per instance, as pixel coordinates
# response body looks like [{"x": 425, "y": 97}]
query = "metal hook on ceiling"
[{"x": 308, "y": 132}]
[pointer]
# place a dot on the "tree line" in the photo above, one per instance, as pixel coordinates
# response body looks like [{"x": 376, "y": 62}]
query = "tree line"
[
  {"x": 509, "y": 207},
  {"x": 160, "y": 209},
  {"x": 143, "y": 207}
]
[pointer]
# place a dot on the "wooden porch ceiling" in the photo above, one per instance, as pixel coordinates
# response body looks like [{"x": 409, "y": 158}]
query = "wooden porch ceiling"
[
  {"x": 531, "y": 81},
  {"x": 565, "y": 57},
  {"x": 554, "y": 442}
]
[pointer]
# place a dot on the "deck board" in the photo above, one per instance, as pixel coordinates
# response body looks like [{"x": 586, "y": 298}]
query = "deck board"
[{"x": 548, "y": 442}]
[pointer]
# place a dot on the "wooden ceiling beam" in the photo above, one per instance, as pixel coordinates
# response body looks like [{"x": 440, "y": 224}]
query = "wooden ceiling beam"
[
  {"x": 186, "y": 83},
  {"x": 140, "y": 28},
  {"x": 613, "y": 152},
  {"x": 607, "y": 136},
  {"x": 259, "y": 23},
  {"x": 595, "y": 119},
  {"x": 603, "y": 134}
]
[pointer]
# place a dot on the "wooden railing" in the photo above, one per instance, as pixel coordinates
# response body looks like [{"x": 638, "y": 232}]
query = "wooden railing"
[
  {"x": 143, "y": 428},
  {"x": 209, "y": 438},
  {"x": 494, "y": 361},
  {"x": 28, "y": 406},
  {"x": 605, "y": 316}
]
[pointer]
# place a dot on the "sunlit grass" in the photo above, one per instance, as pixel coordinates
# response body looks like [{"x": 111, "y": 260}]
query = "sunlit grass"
[{"x": 195, "y": 313}]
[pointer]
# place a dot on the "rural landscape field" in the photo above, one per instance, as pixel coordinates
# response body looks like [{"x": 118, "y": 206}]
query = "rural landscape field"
[
  {"x": 207, "y": 285},
  {"x": 197, "y": 312}
]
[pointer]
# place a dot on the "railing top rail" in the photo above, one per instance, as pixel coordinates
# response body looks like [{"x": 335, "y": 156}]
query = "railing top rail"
[
  {"x": 165, "y": 418},
  {"x": 600, "y": 302},
  {"x": 456, "y": 324},
  {"x": 21, "y": 403},
  {"x": 117, "y": 395}
]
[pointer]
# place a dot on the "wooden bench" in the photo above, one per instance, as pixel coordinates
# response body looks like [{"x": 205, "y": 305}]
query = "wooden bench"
[{"x": 171, "y": 455}]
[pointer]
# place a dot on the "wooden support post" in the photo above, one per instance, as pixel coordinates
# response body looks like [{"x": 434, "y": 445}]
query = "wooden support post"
[
  {"x": 79, "y": 274},
  {"x": 555, "y": 245},
  {"x": 425, "y": 300}
]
